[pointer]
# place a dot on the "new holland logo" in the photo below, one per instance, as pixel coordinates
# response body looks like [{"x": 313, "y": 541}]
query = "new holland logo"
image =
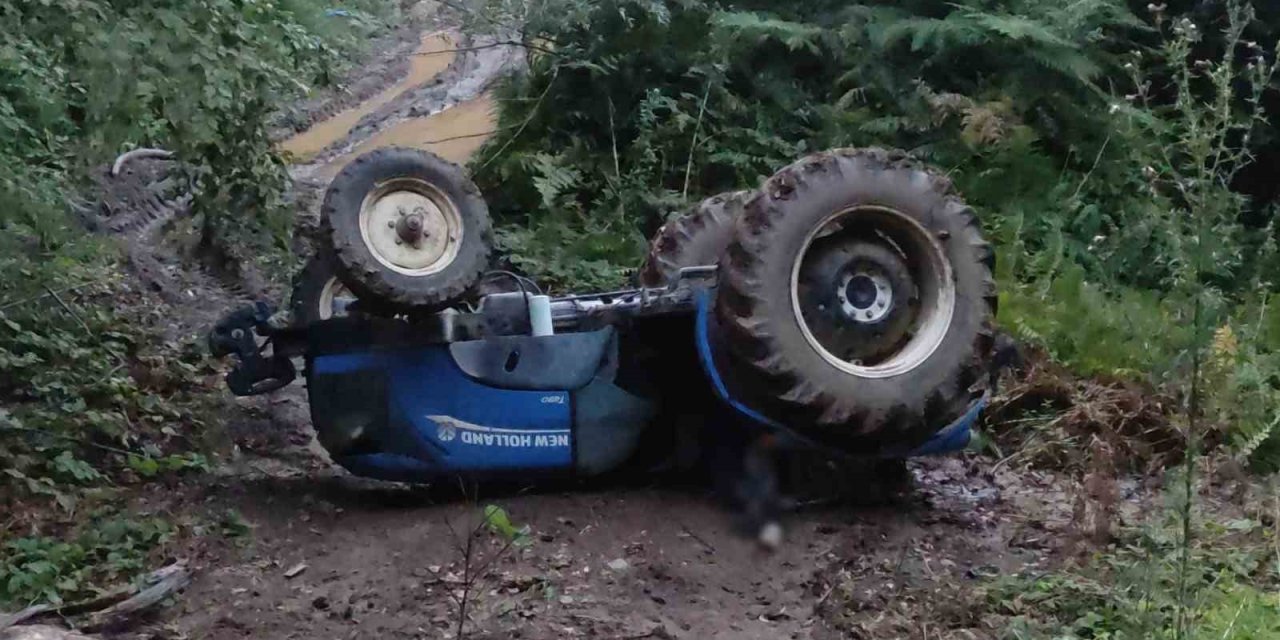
[
  {"x": 449, "y": 429},
  {"x": 446, "y": 432}
]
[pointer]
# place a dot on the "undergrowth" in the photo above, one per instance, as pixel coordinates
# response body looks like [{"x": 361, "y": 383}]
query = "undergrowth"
[
  {"x": 640, "y": 108},
  {"x": 1129, "y": 588},
  {"x": 1186, "y": 575},
  {"x": 107, "y": 550},
  {"x": 92, "y": 393},
  {"x": 86, "y": 374}
]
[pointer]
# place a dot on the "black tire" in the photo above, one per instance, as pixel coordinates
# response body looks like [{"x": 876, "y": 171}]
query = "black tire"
[
  {"x": 375, "y": 282},
  {"x": 762, "y": 324},
  {"x": 313, "y": 290},
  {"x": 696, "y": 238}
]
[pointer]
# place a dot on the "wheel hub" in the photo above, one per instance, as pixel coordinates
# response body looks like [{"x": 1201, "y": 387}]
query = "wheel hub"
[
  {"x": 856, "y": 297},
  {"x": 411, "y": 229},
  {"x": 866, "y": 296}
]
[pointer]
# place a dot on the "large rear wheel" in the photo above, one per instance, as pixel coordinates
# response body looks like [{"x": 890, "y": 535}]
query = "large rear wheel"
[
  {"x": 858, "y": 290},
  {"x": 318, "y": 293}
]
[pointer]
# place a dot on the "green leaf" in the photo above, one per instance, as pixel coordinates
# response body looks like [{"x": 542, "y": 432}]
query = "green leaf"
[
  {"x": 498, "y": 523},
  {"x": 145, "y": 466}
]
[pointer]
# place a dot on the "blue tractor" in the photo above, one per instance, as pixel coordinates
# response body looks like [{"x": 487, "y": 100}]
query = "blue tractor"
[{"x": 844, "y": 307}]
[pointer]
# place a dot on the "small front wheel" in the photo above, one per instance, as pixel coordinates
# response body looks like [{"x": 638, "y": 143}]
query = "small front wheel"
[
  {"x": 409, "y": 229},
  {"x": 318, "y": 293}
]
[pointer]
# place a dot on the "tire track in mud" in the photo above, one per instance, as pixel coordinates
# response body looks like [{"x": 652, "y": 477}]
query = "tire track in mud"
[
  {"x": 449, "y": 113},
  {"x": 433, "y": 55},
  {"x": 443, "y": 108},
  {"x": 430, "y": 91}
]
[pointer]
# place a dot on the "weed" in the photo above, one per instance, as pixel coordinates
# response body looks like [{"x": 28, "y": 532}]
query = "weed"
[
  {"x": 1131, "y": 589},
  {"x": 47, "y": 569},
  {"x": 88, "y": 388},
  {"x": 90, "y": 392},
  {"x": 478, "y": 554}
]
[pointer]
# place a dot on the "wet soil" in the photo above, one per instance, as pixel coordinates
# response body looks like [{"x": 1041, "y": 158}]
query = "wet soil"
[{"x": 618, "y": 559}]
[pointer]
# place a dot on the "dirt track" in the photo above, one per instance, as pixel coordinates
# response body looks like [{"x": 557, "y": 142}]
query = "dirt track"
[{"x": 381, "y": 560}]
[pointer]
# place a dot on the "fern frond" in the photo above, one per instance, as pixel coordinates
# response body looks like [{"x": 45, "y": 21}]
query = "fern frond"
[
  {"x": 1069, "y": 62},
  {"x": 1019, "y": 29},
  {"x": 1246, "y": 449},
  {"x": 553, "y": 179},
  {"x": 744, "y": 24},
  {"x": 929, "y": 34}
]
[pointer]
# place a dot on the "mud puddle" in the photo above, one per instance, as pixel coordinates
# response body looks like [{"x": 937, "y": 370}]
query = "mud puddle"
[
  {"x": 454, "y": 134},
  {"x": 433, "y": 55},
  {"x": 440, "y": 103}
]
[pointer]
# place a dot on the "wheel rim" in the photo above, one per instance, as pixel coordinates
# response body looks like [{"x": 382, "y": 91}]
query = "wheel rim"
[
  {"x": 411, "y": 227},
  {"x": 872, "y": 292},
  {"x": 334, "y": 299}
]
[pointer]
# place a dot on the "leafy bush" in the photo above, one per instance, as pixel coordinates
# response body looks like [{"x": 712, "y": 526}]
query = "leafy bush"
[
  {"x": 1122, "y": 332},
  {"x": 90, "y": 393},
  {"x": 204, "y": 81},
  {"x": 1242, "y": 387},
  {"x": 87, "y": 393},
  {"x": 639, "y": 107},
  {"x": 109, "y": 550},
  {"x": 1077, "y": 130}
]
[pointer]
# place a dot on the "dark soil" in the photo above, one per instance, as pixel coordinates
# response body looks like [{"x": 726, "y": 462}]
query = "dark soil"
[{"x": 612, "y": 561}]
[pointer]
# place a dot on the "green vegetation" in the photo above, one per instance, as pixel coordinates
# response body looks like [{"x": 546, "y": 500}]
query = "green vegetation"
[
  {"x": 91, "y": 393},
  {"x": 639, "y": 107},
  {"x": 1110, "y": 153},
  {"x": 84, "y": 377},
  {"x": 107, "y": 551},
  {"x": 1110, "y": 146},
  {"x": 1128, "y": 591}
]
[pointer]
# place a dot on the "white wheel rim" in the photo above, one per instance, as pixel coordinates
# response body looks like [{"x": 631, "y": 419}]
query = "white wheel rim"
[
  {"x": 938, "y": 294},
  {"x": 382, "y": 218},
  {"x": 330, "y": 296}
]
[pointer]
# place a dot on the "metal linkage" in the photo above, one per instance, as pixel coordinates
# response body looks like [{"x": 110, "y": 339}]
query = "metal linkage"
[{"x": 679, "y": 296}]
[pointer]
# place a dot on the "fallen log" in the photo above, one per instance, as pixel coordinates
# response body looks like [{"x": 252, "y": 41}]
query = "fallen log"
[
  {"x": 165, "y": 582},
  {"x": 42, "y": 632},
  {"x": 112, "y": 609}
]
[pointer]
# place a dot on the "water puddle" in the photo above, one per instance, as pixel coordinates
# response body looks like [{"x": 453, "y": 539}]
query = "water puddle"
[
  {"x": 453, "y": 134},
  {"x": 422, "y": 68}
]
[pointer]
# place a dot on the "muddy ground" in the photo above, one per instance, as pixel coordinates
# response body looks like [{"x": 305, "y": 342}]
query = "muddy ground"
[
  {"x": 621, "y": 560},
  {"x": 327, "y": 555}
]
